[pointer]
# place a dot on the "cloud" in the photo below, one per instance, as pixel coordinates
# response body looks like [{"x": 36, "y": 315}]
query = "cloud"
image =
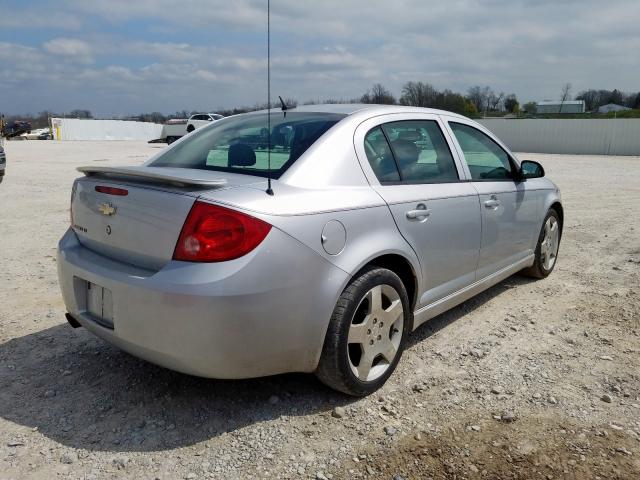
[
  {"x": 32, "y": 19},
  {"x": 119, "y": 56},
  {"x": 70, "y": 48}
]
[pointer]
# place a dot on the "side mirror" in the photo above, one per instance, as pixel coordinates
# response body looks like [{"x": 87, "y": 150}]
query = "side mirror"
[{"x": 531, "y": 169}]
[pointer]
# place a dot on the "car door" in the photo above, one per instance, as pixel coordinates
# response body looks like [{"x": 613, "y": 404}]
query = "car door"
[
  {"x": 409, "y": 162},
  {"x": 509, "y": 208}
]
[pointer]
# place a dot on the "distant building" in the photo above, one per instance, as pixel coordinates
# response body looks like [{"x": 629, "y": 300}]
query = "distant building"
[
  {"x": 612, "y": 107},
  {"x": 568, "y": 106}
]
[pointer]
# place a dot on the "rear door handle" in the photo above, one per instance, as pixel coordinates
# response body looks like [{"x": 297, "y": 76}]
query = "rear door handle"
[
  {"x": 420, "y": 213},
  {"x": 492, "y": 203}
]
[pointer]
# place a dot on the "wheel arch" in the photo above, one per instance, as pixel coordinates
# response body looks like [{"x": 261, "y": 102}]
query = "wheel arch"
[
  {"x": 557, "y": 206},
  {"x": 402, "y": 267}
]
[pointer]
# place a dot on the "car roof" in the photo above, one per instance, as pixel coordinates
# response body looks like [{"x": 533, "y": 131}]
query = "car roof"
[{"x": 371, "y": 109}]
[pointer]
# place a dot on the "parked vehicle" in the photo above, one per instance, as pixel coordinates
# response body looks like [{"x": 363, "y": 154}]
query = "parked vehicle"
[
  {"x": 201, "y": 119},
  {"x": 173, "y": 130},
  {"x": 15, "y": 128},
  {"x": 177, "y": 128},
  {"x": 39, "y": 134},
  {"x": 380, "y": 218},
  {"x": 3, "y": 162}
]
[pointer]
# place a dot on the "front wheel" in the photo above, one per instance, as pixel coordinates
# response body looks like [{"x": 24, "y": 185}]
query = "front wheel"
[
  {"x": 366, "y": 334},
  {"x": 546, "y": 253}
]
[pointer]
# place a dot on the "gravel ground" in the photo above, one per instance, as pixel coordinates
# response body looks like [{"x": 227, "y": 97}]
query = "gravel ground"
[{"x": 531, "y": 379}]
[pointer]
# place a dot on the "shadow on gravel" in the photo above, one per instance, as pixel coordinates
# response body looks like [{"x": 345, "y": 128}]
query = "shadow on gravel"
[
  {"x": 84, "y": 393},
  {"x": 445, "y": 319}
]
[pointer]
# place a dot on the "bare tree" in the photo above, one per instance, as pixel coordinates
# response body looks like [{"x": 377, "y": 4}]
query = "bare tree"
[
  {"x": 418, "y": 94},
  {"x": 378, "y": 94},
  {"x": 494, "y": 100},
  {"x": 476, "y": 96},
  {"x": 483, "y": 98},
  {"x": 565, "y": 95},
  {"x": 591, "y": 99}
]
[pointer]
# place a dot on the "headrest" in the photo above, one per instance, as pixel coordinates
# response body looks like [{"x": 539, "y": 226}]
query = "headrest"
[
  {"x": 241, "y": 155},
  {"x": 405, "y": 151},
  {"x": 411, "y": 135}
]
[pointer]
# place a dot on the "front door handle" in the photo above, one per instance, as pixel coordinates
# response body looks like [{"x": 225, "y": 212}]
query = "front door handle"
[{"x": 420, "y": 213}]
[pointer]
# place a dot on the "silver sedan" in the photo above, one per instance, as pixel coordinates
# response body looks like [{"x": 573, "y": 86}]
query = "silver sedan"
[{"x": 307, "y": 240}]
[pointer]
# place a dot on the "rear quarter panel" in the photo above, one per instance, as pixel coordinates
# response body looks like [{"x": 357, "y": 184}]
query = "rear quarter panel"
[{"x": 303, "y": 214}]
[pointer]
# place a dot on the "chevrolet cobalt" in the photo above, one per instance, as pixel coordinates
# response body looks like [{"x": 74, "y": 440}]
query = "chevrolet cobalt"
[{"x": 308, "y": 240}]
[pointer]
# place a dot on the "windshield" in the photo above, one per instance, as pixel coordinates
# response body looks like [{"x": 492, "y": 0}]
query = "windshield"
[{"x": 241, "y": 144}]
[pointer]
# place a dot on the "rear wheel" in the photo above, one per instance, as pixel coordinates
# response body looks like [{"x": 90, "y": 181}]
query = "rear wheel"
[
  {"x": 367, "y": 333},
  {"x": 190, "y": 128},
  {"x": 546, "y": 252}
]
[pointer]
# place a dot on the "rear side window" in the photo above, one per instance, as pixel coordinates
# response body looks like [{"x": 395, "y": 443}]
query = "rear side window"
[
  {"x": 411, "y": 151},
  {"x": 380, "y": 156},
  {"x": 240, "y": 144},
  {"x": 485, "y": 158}
]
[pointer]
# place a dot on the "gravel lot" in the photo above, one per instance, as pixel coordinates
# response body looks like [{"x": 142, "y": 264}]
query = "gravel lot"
[{"x": 532, "y": 379}]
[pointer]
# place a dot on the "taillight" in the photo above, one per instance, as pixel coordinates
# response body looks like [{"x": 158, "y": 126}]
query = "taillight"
[
  {"x": 216, "y": 234},
  {"x": 73, "y": 195}
]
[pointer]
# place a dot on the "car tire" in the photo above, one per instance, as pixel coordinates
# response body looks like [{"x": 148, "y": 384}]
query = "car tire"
[
  {"x": 190, "y": 128},
  {"x": 546, "y": 253},
  {"x": 366, "y": 329}
]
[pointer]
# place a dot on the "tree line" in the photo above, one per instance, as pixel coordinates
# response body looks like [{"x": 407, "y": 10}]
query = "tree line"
[
  {"x": 597, "y": 98},
  {"x": 477, "y": 101}
]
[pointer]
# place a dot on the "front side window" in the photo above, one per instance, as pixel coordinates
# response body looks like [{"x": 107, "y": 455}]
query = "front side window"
[
  {"x": 485, "y": 158},
  {"x": 411, "y": 151},
  {"x": 240, "y": 144}
]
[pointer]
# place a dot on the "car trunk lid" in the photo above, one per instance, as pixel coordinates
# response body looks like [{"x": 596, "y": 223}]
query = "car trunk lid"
[{"x": 135, "y": 214}]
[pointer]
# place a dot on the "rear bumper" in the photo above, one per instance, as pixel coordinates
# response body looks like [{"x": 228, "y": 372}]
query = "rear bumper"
[{"x": 263, "y": 314}]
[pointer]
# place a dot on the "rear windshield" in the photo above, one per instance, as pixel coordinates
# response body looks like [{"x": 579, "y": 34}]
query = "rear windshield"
[{"x": 241, "y": 144}]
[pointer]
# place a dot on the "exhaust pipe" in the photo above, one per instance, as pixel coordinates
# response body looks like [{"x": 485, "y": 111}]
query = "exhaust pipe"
[{"x": 72, "y": 321}]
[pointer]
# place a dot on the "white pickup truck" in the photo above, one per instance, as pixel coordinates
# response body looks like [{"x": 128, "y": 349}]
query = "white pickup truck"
[{"x": 176, "y": 128}]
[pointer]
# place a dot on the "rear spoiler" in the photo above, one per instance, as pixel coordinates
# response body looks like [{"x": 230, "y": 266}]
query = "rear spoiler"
[{"x": 181, "y": 177}]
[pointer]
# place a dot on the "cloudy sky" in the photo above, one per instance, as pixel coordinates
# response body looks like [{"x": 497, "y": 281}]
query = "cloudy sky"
[{"x": 117, "y": 57}]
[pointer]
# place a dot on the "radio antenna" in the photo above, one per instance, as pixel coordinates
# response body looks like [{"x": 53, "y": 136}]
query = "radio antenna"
[{"x": 269, "y": 189}]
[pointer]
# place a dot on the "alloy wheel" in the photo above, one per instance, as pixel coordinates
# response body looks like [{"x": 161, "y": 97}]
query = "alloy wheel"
[
  {"x": 375, "y": 333},
  {"x": 550, "y": 243}
]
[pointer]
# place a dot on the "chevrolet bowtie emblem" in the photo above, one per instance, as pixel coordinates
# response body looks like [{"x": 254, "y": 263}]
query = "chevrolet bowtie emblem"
[{"x": 107, "y": 209}]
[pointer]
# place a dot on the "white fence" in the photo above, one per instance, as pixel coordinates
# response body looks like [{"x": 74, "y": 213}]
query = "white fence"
[
  {"x": 79, "y": 129},
  {"x": 595, "y": 137}
]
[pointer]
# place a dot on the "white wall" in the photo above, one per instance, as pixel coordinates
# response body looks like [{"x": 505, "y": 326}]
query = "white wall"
[
  {"x": 79, "y": 129},
  {"x": 575, "y": 136}
]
